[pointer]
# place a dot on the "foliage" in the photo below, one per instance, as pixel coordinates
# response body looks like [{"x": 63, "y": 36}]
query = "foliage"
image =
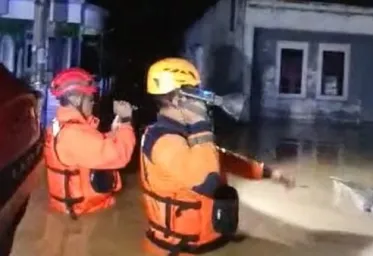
[
  {"x": 67, "y": 29},
  {"x": 14, "y": 26}
]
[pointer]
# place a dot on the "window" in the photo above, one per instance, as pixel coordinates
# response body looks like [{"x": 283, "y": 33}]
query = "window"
[
  {"x": 288, "y": 149},
  {"x": 51, "y": 54},
  {"x": 328, "y": 154},
  {"x": 27, "y": 61},
  {"x": 28, "y": 56},
  {"x": 75, "y": 52},
  {"x": 68, "y": 48},
  {"x": 291, "y": 68},
  {"x": 333, "y": 71},
  {"x": 59, "y": 53}
]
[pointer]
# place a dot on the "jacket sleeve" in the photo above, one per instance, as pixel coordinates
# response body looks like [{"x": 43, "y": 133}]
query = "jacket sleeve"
[
  {"x": 87, "y": 147},
  {"x": 240, "y": 166},
  {"x": 187, "y": 166}
]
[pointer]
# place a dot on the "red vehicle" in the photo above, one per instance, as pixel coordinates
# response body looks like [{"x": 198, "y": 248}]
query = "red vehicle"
[{"x": 20, "y": 153}]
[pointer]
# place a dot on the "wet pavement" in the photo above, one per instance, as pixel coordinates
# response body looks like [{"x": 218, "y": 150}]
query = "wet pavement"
[{"x": 303, "y": 221}]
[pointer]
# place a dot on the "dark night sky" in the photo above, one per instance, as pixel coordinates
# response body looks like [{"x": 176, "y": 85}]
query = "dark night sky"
[
  {"x": 151, "y": 26},
  {"x": 155, "y": 27},
  {"x": 146, "y": 30}
]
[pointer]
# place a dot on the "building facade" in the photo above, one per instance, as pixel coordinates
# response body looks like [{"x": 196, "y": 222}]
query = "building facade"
[
  {"x": 70, "y": 22},
  {"x": 298, "y": 61},
  {"x": 75, "y": 30}
]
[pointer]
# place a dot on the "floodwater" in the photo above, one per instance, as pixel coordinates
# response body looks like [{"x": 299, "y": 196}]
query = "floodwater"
[{"x": 275, "y": 221}]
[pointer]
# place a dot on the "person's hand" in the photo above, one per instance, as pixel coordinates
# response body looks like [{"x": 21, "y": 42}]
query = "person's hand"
[
  {"x": 122, "y": 109},
  {"x": 287, "y": 180},
  {"x": 193, "y": 111}
]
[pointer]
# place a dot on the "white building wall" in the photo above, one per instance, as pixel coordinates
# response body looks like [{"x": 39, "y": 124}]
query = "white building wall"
[
  {"x": 312, "y": 17},
  {"x": 212, "y": 32}
]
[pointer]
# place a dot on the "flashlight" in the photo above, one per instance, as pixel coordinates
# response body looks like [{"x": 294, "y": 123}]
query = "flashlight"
[{"x": 208, "y": 97}]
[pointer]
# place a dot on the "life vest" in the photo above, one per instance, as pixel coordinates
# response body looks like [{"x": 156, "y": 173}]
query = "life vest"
[
  {"x": 186, "y": 221},
  {"x": 77, "y": 190}
]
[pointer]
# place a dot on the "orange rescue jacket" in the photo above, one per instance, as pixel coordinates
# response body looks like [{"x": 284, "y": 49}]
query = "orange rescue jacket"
[
  {"x": 82, "y": 163},
  {"x": 180, "y": 189}
]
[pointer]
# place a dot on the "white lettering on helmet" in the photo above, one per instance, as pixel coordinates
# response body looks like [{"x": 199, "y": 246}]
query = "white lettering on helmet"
[{"x": 166, "y": 81}]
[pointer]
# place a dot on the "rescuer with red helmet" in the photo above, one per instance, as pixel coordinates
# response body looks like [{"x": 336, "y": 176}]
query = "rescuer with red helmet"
[{"x": 82, "y": 163}]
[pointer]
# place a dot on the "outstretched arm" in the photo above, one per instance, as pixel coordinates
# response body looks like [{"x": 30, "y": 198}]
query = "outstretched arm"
[{"x": 250, "y": 169}]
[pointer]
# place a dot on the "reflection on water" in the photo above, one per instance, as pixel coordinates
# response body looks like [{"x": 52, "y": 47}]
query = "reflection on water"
[
  {"x": 327, "y": 145},
  {"x": 323, "y": 153},
  {"x": 328, "y": 153},
  {"x": 287, "y": 149},
  {"x": 278, "y": 222}
]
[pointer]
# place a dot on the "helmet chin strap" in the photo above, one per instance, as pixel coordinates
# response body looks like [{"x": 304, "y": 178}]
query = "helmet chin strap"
[
  {"x": 79, "y": 108},
  {"x": 188, "y": 104},
  {"x": 183, "y": 105}
]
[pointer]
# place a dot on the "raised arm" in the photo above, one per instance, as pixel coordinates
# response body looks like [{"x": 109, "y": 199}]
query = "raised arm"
[{"x": 87, "y": 147}]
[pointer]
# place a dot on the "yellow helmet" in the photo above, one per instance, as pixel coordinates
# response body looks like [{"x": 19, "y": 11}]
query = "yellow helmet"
[{"x": 169, "y": 74}]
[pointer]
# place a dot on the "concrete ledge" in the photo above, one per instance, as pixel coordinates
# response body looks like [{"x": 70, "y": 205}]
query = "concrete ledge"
[
  {"x": 312, "y": 6},
  {"x": 90, "y": 16},
  {"x": 309, "y": 17}
]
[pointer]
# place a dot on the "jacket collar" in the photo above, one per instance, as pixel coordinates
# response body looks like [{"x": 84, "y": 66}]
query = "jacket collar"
[
  {"x": 171, "y": 124},
  {"x": 68, "y": 114}
]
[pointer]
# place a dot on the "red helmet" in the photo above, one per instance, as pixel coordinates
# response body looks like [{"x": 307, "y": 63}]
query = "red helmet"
[{"x": 73, "y": 79}]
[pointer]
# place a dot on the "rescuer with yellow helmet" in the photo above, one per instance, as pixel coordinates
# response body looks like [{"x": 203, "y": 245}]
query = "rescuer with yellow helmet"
[{"x": 189, "y": 207}]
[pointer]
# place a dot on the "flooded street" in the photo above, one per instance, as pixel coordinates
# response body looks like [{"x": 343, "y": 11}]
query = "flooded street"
[{"x": 277, "y": 222}]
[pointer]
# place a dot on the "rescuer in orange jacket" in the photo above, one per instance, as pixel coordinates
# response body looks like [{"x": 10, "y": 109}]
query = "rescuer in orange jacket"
[
  {"x": 82, "y": 163},
  {"x": 189, "y": 207}
]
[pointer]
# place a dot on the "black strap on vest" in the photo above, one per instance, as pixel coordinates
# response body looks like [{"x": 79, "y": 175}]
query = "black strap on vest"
[
  {"x": 184, "y": 246},
  {"x": 200, "y": 139},
  {"x": 168, "y": 202},
  {"x": 68, "y": 200}
]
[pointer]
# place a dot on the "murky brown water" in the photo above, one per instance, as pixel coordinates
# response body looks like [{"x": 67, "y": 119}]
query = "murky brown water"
[{"x": 303, "y": 221}]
